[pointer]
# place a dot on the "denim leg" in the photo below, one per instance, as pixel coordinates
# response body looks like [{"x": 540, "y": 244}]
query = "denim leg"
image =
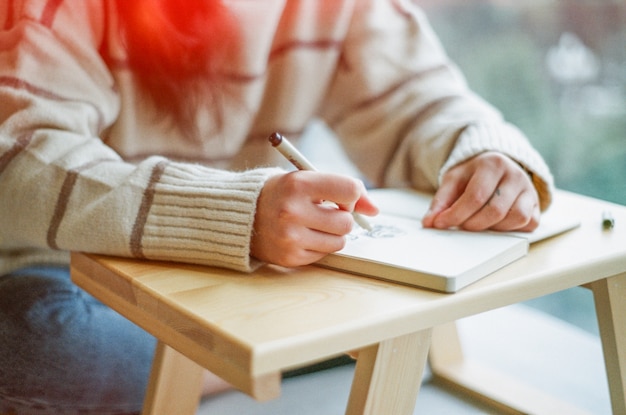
[{"x": 63, "y": 352}]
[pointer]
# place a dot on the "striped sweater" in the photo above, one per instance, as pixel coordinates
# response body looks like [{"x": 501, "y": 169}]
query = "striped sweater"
[{"x": 85, "y": 165}]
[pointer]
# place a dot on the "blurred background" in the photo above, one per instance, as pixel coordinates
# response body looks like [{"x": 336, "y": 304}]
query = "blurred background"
[{"x": 556, "y": 69}]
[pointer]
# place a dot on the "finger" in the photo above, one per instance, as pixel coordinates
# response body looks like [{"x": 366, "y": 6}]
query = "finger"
[
  {"x": 295, "y": 259},
  {"x": 534, "y": 221},
  {"x": 312, "y": 247},
  {"x": 445, "y": 196},
  {"x": 337, "y": 188},
  {"x": 366, "y": 206},
  {"x": 522, "y": 202},
  {"x": 295, "y": 246},
  {"x": 480, "y": 188},
  {"x": 496, "y": 210},
  {"x": 321, "y": 243},
  {"x": 306, "y": 214},
  {"x": 350, "y": 194},
  {"x": 523, "y": 216},
  {"x": 329, "y": 219}
]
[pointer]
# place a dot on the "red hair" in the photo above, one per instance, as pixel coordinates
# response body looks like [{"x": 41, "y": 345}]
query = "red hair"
[{"x": 173, "y": 48}]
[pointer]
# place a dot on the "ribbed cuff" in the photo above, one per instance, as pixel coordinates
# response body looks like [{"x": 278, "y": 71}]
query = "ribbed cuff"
[{"x": 204, "y": 216}]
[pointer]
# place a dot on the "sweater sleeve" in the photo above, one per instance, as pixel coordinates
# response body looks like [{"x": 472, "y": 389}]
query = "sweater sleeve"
[
  {"x": 62, "y": 188},
  {"x": 403, "y": 110}
]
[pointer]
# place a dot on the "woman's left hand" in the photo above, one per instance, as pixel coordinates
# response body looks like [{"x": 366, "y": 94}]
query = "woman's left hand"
[{"x": 488, "y": 191}]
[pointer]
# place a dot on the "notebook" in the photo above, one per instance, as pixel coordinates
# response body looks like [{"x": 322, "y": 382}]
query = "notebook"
[{"x": 399, "y": 249}]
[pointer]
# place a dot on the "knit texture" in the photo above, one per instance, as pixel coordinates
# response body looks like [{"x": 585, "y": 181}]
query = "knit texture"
[{"x": 87, "y": 165}]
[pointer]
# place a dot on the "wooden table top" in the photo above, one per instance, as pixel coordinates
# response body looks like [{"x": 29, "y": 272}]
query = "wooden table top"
[{"x": 277, "y": 318}]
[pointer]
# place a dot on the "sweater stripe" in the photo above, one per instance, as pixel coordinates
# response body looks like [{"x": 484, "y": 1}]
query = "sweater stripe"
[
  {"x": 61, "y": 207},
  {"x": 384, "y": 95},
  {"x": 320, "y": 44},
  {"x": 19, "y": 146},
  {"x": 401, "y": 9},
  {"x": 49, "y": 12},
  {"x": 8, "y": 23},
  {"x": 17, "y": 83},
  {"x": 62, "y": 202},
  {"x": 136, "y": 247}
]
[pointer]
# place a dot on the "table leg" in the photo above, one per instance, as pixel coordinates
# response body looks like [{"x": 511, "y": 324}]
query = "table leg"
[
  {"x": 175, "y": 384},
  {"x": 388, "y": 376},
  {"x": 485, "y": 384},
  {"x": 610, "y": 299}
]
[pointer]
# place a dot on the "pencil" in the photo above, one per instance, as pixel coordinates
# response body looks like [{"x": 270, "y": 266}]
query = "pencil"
[{"x": 296, "y": 158}]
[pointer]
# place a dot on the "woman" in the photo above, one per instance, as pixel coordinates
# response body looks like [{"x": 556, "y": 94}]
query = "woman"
[{"x": 139, "y": 128}]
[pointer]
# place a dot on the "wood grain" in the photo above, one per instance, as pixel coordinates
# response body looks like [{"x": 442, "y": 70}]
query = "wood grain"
[{"x": 247, "y": 328}]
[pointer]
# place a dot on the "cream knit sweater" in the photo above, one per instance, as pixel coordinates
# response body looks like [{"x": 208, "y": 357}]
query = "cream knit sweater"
[{"x": 86, "y": 166}]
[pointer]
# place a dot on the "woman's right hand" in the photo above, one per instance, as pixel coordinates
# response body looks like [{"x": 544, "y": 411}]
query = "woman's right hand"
[{"x": 293, "y": 226}]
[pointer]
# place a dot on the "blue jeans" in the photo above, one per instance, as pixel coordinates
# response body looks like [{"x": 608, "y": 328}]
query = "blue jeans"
[{"x": 63, "y": 352}]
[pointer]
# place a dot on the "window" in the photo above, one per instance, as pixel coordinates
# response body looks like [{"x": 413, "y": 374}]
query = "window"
[{"x": 556, "y": 69}]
